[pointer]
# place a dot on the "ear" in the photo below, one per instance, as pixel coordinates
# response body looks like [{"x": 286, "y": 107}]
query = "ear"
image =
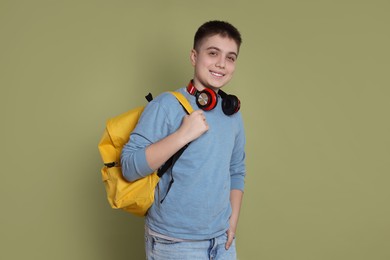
[{"x": 193, "y": 57}]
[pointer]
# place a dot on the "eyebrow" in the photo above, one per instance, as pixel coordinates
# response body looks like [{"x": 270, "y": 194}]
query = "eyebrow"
[{"x": 218, "y": 49}]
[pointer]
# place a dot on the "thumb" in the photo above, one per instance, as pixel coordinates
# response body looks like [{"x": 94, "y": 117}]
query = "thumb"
[{"x": 230, "y": 237}]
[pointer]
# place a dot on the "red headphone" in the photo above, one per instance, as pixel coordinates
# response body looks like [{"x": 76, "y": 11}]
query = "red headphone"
[{"x": 207, "y": 99}]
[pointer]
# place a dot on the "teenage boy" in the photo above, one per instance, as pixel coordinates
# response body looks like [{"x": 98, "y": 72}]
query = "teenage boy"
[{"x": 198, "y": 200}]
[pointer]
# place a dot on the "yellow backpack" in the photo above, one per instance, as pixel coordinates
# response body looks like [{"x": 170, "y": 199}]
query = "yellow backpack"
[{"x": 138, "y": 196}]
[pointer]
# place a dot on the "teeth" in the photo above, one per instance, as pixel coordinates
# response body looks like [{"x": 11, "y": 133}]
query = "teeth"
[{"x": 216, "y": 74}]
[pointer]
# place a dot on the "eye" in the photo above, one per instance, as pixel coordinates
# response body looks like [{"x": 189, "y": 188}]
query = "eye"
[
  {"x": 231, "y": 58},
  {"x": 213, "y": 53}
]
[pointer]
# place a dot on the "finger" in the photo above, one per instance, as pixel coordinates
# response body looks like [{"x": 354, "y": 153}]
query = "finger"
[
  {"x": 199, "y": 114},
  {"x": 230, "y": 240},
  {"x": 199, "y": 111}
]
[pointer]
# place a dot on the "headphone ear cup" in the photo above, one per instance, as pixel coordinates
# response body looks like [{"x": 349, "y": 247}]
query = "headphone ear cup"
[
  {"x": 230, "y": 105},
  {"x": 206, "y": 99}
]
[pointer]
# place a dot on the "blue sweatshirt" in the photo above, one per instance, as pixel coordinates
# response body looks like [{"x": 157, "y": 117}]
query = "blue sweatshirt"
[{"x": 197, "y": 205}]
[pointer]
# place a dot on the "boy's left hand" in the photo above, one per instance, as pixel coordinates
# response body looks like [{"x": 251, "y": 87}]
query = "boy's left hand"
[
  {"x": 235, "y": 200},
  {"x": 230, "y": 237}
]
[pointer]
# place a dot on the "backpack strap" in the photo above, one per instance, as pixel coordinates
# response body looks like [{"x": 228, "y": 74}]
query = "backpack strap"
[
  {"x": 183, "y": 101},
  {"x": 171, "y": 161}
]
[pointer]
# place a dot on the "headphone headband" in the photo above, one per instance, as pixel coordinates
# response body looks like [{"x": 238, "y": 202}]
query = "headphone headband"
[{"x": 191, "y": 88}]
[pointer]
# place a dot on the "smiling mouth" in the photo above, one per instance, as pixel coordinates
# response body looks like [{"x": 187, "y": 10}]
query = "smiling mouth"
[{"x": 216, "y": 74}]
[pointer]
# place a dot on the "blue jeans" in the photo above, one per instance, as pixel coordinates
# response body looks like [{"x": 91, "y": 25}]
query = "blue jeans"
[{"x": 212, "y": 249}]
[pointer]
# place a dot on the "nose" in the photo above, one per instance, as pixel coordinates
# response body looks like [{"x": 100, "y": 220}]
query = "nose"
[{"x": 220, "y": 63}]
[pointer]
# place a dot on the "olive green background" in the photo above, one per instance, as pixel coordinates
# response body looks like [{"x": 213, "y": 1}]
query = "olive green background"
[{"x": 313, "y": 78}]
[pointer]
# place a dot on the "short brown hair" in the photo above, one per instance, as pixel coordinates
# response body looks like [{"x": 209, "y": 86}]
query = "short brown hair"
[{"x": 215, "y": 27}]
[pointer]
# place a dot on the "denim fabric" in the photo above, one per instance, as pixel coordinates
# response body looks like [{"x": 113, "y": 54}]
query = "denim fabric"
[{"x": 213, "y": 249}]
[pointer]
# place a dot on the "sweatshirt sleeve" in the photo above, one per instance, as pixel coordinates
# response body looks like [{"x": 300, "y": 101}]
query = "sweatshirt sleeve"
[
  {"x": 237, "y": 163},
  {"x": 152, "y": 126}
]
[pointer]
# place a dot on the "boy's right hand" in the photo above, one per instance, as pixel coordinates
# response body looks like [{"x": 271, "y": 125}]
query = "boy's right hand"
[{"x": 193, "y": 125}]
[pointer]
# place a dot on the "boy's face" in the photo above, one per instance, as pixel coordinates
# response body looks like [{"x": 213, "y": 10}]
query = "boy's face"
[{"x": 214, "y": 62}]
